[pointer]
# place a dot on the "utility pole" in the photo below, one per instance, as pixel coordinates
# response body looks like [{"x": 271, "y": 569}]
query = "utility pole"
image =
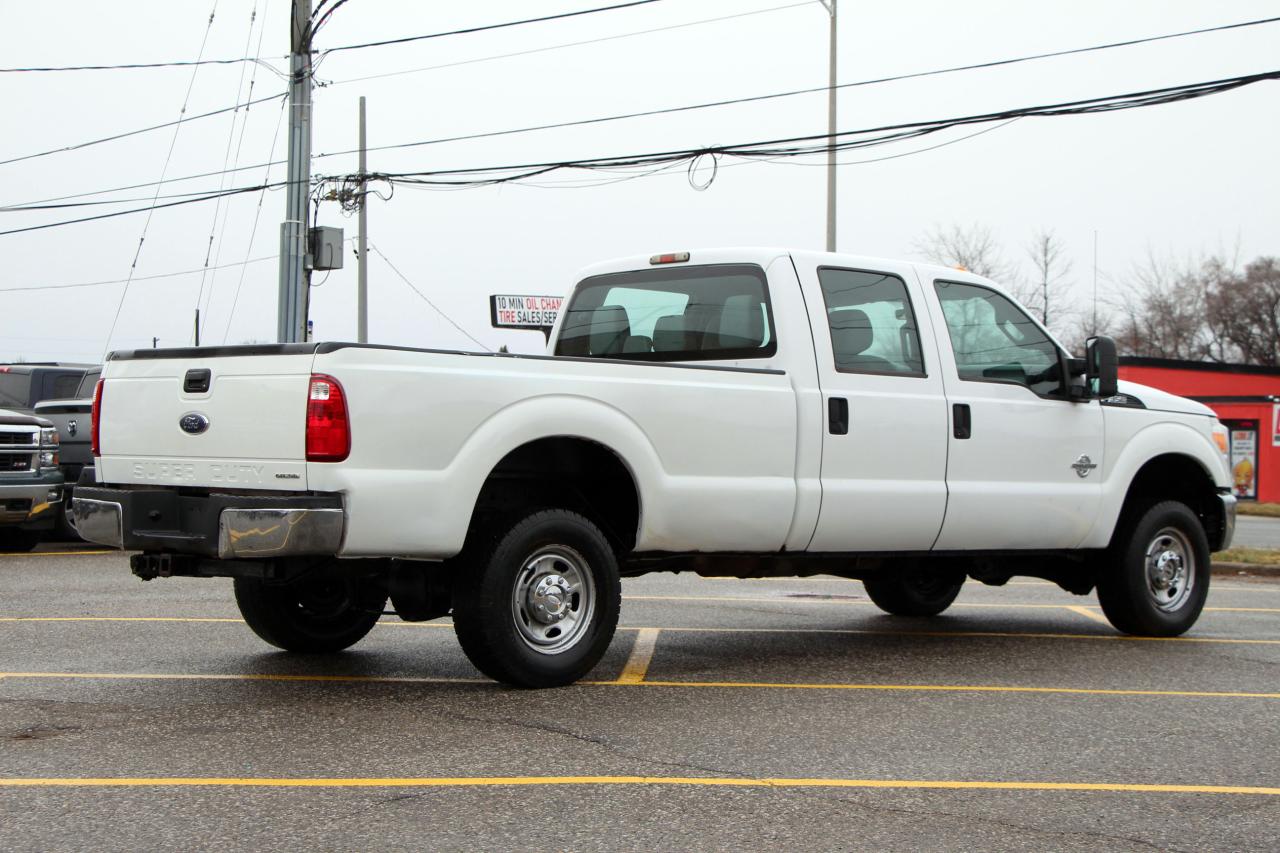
[
  {"x": 294, "y": 275},
  {"x": 831, "y": 131},
  {"x": 362, "y": 260}
]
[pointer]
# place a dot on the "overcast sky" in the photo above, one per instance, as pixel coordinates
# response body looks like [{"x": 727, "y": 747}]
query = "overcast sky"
[{"x": 1178, "y": 180}]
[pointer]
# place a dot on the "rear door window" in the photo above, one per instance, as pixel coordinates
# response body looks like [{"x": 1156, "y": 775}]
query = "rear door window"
[
  {"x": 60, "y": 385},
  {"x": 872, "y": 326},
  {"x": 698, "y": 313}
]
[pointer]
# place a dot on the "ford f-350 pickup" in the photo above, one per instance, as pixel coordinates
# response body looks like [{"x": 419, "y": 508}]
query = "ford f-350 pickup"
[{"x": 734, "y": 412}]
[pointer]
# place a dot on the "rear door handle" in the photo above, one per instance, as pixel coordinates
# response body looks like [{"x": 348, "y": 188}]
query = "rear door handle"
[
  {"x": 961, "y": 420},
  {"x": 838, "y": 416}
]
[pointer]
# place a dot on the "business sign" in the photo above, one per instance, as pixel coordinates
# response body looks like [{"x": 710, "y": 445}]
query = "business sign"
[
  {"x": 1243, "y": 458},
  {"x": 1275, "y": 425},
  {"x": 524, "y": 312}
]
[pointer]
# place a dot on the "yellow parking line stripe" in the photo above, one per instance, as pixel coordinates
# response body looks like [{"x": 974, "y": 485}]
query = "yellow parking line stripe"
[
  {"x": 772, "y": 685},
  {"x": 871, "y": 632},
  {"x": 641, "y": 655},
  {"x": 200, "y": 676},
  {"x": 815, "y": 599},
  {"x": 947, "y": 688},
  {"x": 699, "y": 781},
  {"x": 61, "y": 553},
  {"x": 1084, "y": 611},
  {"x": 119, "y": 619},
  {"x": 1034, "y": 635}
]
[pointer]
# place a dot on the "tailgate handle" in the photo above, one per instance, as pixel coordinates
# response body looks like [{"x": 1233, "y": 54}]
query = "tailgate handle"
[{"x": 196, "y": 381}]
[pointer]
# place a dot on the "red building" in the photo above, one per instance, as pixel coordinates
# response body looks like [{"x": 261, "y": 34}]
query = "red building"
[{"x": 1247, "y": 400}]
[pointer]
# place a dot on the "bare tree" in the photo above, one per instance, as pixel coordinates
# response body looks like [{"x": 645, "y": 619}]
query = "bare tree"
[
  {"x": 1163, "y": 312},
  {"x": 971, "y": 248},
  {"x": 1243, "y": 310},
  {"x": 1048, "y": 257}
]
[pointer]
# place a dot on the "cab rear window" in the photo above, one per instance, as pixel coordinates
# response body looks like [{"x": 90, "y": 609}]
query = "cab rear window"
[{"x": 697, "y": 313}]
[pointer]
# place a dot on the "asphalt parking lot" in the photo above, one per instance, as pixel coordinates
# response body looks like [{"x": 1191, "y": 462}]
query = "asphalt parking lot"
[{"x": 727, "y": 714}]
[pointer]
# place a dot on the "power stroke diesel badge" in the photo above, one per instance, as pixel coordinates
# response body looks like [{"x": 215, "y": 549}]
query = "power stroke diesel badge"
[
  {"x": 193, "y": 423},
  {"x": 1084, "y": 466}
]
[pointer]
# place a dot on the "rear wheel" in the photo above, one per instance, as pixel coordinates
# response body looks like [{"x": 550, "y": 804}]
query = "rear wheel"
[
  {"x": 539, "y": 603},
  {"x": 1158, "y": 578},
  {"x": 316, "y": 614},
  {"x": 914, "y": 589}
]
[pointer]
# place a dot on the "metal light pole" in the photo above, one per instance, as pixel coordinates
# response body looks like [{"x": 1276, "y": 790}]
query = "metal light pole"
[
  {"x": 831, "y": 130},
  {"x": 362, "y": 261},
  {"x": 294, "y": 275}
]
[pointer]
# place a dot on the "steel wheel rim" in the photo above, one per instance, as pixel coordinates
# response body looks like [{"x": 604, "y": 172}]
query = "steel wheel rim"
[
  {"x": 1169, "y": 567},
  {"x": 553, "y": 599}
]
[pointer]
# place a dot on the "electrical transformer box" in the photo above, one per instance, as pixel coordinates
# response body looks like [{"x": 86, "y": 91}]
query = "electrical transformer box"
[{"x": 326, "y": 248}]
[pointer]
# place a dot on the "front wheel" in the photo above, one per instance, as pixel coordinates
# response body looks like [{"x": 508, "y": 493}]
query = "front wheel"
[
  {"x": 539, "y": 604},
  {"x": 18, "y": 540},
  {"x": 312, "y": 615},
  {"x": 914, "y": 589},
  {"x": 1158, "y": 577}
]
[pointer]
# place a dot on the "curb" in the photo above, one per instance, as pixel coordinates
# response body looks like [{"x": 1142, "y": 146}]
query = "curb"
[{"x": 1237, "y": 569}]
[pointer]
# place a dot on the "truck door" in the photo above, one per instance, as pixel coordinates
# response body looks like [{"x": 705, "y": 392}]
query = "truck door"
[
  {"x": 884, "y": 449},
  {"x": 1024, "y": 463}
]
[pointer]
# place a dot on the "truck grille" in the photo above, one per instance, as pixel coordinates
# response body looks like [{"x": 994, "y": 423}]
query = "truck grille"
[
  {"x": 17, "y": 439},
  {"x": 10, "y": 462}
]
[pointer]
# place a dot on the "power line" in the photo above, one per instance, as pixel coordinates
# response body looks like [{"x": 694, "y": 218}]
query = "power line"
[
  {"x": 253, "y": 232},
  {"x": 687, "y": 108},
  {"x": 487, "y": 27},
  {"x": 569, "y": 44},
  {"x": 793, "y": 92},
  {"x": 135, "y": 65},
  {"x": 244, "y": 124},
  {"x": 424, "y": 298},
  {"x": 178, "y": 274},
  {"x": 148, "y": 209},
  {"x": 142, "y": 238},
  {"x": 129, "y": 133},
  {"x": 799, "y": 145}
]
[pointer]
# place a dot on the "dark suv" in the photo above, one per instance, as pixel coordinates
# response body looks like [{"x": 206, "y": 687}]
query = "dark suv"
[{"x": 24, "y": 385}]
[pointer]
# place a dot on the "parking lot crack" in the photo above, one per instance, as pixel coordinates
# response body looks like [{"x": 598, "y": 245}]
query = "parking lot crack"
[{"x": 991, "y": 821}]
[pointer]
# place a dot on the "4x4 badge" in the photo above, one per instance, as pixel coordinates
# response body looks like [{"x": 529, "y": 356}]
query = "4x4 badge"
[{"x": 1084, "y": 465}]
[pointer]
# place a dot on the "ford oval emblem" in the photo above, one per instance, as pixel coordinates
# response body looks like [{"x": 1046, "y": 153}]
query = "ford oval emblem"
[{"x": 193, "y": 423}]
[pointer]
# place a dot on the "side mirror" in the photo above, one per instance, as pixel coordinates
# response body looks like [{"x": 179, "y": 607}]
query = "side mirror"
[{"x": 1102, "y": 366}]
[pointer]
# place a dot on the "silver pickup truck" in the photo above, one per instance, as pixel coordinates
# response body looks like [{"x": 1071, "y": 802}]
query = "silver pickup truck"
[
  {"x": 31, "y": 486},
  {"x": 71, "y": 418}
]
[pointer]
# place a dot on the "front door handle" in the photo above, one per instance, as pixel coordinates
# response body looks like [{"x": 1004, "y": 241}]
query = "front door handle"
[
  {"x": 838, "y": 416},
  {"x": 961, "y": 420}
]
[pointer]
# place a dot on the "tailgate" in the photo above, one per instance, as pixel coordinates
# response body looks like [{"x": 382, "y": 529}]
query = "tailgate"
[{"x": 160, "y": 426}]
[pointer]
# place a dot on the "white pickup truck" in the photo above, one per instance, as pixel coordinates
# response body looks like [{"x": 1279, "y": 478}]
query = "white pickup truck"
[{"x": 734, "y": 412}]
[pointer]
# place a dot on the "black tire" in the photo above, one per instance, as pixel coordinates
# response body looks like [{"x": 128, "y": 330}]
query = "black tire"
[
  {"x": 914, "y": 589},
  {"x": 1157, "y": 575},
  {"x": 16, "y": 540},
  {"x": 509, "y": 629},
  {"x": 315, "y": 615}
]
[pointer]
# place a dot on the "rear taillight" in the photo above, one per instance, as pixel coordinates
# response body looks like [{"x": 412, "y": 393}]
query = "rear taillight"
[
  {"x": 95, "y": 419},
  {"x": 328, "y": 427}
]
